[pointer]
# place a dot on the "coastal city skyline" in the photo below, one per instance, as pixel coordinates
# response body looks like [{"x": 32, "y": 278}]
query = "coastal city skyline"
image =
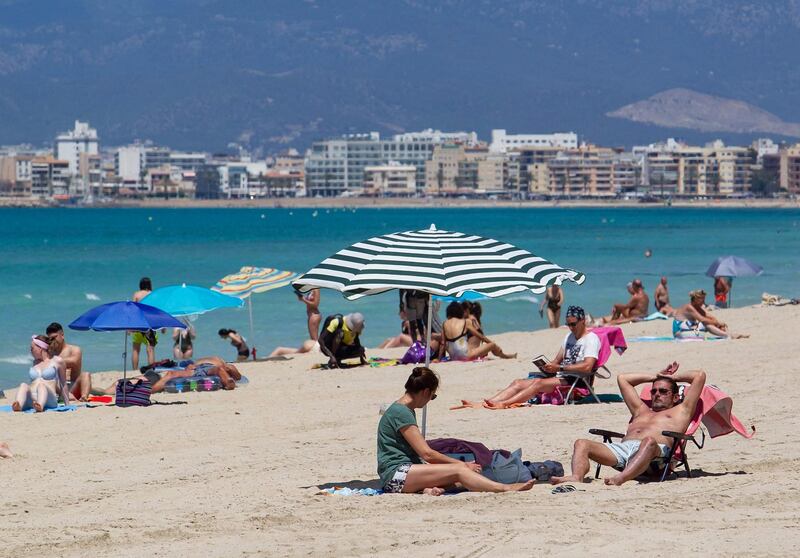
[{"x": 427, "y": 163}]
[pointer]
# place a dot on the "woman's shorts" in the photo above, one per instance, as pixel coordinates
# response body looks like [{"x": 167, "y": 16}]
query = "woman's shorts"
[{"x": 398, "y": 481}]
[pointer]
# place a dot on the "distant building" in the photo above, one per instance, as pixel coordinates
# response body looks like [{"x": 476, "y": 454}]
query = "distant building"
[
  {"x": 502, "y": 141},
  {"x": 392, "y": 180},
  {"x": 336, "y": 166},
  {"x": 129, "y": 163},
  {"x": 50, "y": 178},
  {"x": 70, "y": 145},
  {"x": 584, "y": 172}
]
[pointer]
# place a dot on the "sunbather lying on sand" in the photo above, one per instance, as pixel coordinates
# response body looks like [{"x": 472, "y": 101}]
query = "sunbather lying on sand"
[
  {"x": 644, "y": 442},
  {"x": 578, "y": 354},
  {"x": 406, "y": 463},
  {"x": 206, "y": 366}
]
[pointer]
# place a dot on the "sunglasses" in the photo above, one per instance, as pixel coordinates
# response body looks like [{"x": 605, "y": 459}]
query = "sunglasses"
[
  {"x": 572, "y": 324},
  {"x": 434, "y": 396},
  {"x": 660, "y": 391}
]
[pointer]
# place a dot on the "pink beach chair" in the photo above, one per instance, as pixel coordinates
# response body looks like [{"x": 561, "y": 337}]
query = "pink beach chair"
[
  {"x": 582, "y": 385},
  {"x": 713, "y": 410}
]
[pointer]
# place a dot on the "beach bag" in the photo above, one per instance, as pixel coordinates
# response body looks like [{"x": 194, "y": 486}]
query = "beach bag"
[
  {"x": 544, "y": 470},
  {"x": 507, "y": 470},
  {"x": 415, "y": 354},
  {"x": 133, "y": 393}
]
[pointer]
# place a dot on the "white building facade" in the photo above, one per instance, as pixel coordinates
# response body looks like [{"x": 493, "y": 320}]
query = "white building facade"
[
  {"x": 503, "y": 141},
  {"x": 70, "y": 145}
]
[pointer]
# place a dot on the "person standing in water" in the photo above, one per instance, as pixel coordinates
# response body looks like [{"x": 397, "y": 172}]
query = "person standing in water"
[{"x": 242, "y": 350}]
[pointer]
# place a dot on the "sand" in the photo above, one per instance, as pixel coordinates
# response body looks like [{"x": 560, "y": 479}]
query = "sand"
[{"x": 238, "y": 473}]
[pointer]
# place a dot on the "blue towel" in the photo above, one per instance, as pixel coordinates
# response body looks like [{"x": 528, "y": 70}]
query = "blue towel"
[
  {"x": 352, "y": 491},
  {"x": 653, "y": 316},
  {"x": 59, "y": 409}
]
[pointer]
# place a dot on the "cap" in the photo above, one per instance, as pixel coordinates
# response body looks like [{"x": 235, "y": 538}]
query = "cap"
[{"x": 355, "y": 322}]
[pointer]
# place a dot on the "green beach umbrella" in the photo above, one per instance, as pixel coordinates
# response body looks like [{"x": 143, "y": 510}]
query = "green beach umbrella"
[{"x": 441, "y": 263}]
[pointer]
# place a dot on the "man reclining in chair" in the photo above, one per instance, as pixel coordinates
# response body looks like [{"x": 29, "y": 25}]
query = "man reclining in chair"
[{"x": 644, "y": 442}]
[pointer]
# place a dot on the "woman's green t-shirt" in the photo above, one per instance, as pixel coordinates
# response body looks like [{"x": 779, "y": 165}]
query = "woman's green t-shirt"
[{"x": 393, "y": 450}]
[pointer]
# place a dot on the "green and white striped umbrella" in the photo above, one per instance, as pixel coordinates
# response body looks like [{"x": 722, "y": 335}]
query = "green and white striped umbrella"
[{"x": 437, "y": 262}]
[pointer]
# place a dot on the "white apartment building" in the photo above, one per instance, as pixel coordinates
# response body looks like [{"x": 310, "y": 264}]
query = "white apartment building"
[
  {"x": 129, "y": 161},
  {"x": 336, "y": 166},
  {"x": 70, "y": 145},
  {"x": 503, "y": 141}
]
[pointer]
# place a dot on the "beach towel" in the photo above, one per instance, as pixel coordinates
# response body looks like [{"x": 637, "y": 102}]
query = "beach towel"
[
  {"x": 344, "y": 491},
  {"x": 610, "y": 336},
  {"x": 670, "y": 338},
  {"x": 714, "y": 411},
  {"x": 59, "y": 409},
  {"x": 653, "y": 316}
]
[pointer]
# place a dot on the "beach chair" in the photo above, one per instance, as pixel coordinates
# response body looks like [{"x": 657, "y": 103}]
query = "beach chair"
[
  {"x": 713, "y": 411},
  {"x": 610, "y": 337},
  {"x": 675, "y": 458}
]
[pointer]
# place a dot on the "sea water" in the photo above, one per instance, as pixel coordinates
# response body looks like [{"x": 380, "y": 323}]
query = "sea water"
[{"x": 57, "y": 263}]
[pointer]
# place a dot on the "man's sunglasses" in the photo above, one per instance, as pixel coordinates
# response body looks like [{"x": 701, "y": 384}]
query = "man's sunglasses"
[
  {"x": 572, "y": 324},
  {"x": 434, "y": 396},
  {"x": 660, "y": 391}
]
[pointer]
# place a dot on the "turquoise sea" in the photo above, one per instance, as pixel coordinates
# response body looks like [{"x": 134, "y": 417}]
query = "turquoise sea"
[{"x": 57, "y": 263}]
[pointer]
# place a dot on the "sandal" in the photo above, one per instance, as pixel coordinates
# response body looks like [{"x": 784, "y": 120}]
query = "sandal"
[{"x": 563, "y": 489}]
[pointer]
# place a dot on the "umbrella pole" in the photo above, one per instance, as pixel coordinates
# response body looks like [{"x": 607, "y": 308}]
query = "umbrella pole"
[
  {"x": 250, "y": 310},
  {"x": 427, "y": 357},
  {"x": 124, "y": 367}
]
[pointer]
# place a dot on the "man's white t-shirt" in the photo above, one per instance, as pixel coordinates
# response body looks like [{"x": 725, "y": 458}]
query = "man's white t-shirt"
[{"x": 576, "y": 350}]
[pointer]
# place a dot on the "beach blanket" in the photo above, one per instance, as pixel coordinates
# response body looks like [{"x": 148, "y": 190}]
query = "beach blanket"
[
  {"x": 671, "y": 338},
  {"x": 653, "y": 316},
  {"x": 59, "y": 409},
  {"x": 714, "y": 411},
  {"x": 344, "y": 491}
]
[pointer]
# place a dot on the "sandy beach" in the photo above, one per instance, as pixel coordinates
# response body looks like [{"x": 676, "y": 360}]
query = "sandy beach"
[{"x": 238, "y": 473}]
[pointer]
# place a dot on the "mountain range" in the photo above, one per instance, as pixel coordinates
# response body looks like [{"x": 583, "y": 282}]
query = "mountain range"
[{"x": 267, "y": 75}]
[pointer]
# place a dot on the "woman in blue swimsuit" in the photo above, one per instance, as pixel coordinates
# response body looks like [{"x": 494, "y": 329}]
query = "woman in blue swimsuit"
[{"x": 48, "y": 378}]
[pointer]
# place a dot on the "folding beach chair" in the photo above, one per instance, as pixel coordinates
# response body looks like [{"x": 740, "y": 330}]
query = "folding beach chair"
[
  {"x": 610, "y": 337},
  {"x": 675, "y": 458},
  {"x": 713, "y": 410}
]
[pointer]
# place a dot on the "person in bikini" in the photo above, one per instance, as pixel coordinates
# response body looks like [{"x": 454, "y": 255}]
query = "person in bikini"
[
  {"x": 311, "y": 300},
  {"x": 242, "y": 350},
  {"x": 183, "y": 341},
  {"x": 643, "y": 442},
  {"x": 48, "y": 380},
  {"x": 455, "y": 344},
  {"x": 554, "y": 300},
  {"x": 578, "y": 354},
  {"x": 81, "y": 382}
]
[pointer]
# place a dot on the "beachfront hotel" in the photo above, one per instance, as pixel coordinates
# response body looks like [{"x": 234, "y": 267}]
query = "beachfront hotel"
[{"x": 445, "y": 164}]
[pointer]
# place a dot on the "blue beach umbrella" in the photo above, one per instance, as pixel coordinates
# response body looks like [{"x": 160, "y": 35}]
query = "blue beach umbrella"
[
  {"x": 185, "y": 300},
  {"x": 124, "y": 316},
  {"x": 733, "y": 266}
]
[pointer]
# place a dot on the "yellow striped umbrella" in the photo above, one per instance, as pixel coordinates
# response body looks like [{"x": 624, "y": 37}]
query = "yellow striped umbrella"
[{"x": 249, "y": 280}]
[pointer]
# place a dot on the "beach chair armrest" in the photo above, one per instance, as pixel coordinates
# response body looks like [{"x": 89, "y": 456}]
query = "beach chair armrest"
[
  {"x": 678, "y": 435},
  {"x": 605, "y": 433}
]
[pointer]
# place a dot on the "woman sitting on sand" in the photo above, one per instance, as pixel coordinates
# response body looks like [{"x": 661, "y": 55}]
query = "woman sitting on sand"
[
  {"x": 48, "y": 379},
  {"x": 405, "y": 461},
  {"x": 455, "y": 332}
]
